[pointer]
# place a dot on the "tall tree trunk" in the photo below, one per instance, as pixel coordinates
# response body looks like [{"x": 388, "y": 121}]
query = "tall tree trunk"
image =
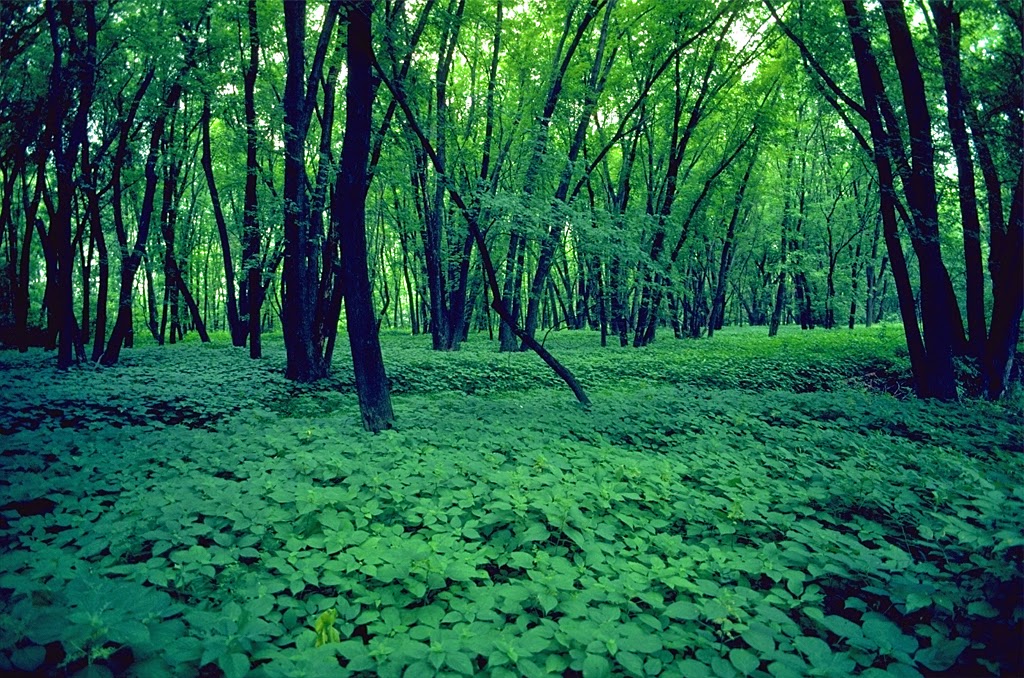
[
  {"x": 350, "y": 211},
  {"x": 123, "y": 324},
  {"x": 9, "y": 230},
  {"x": 780, "y": 284},
  {"x": 305, "y": 360},
  {"x": 190, "y": 303},
  {"x": 947, "y": 24},
  {"x": 1008, "y": 297},
  {"x": 717, "y": 317},
  {"x": 251, "y": 294},
  {"x": 874, "y": 96},
  {"x": 154, "y": 327},
  {"x": 870, "y": 279},
  {"x": 937, "y": 311},
  {"x": 593, "y": 87},
  {"x": 65, "y": 148},
  {"x": 235, "y": 326},
  {"x": 854, "y": 284},
  {"x": 94, "y": 217},
  {"x": 21, "y": 297},
  {"x": 510, "y": 291}
]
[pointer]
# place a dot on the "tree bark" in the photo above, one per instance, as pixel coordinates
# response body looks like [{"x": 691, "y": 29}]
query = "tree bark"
[
  {"x": 936, "y": 307},
  {"x": 235, "y": 326},
  {"x": 123, "y": 324},
  {"x": 82, "y": 65},
  {"x": 947, "y": 25},
  {"x": 1008, "y": 298},
  {"x": 251, "y": 294},
  {"x": 718, "y": 306},
  {"x": 873, "y": 93},
  {"x": 350, "y": 211},
  {"x": 305, "y": 360}
]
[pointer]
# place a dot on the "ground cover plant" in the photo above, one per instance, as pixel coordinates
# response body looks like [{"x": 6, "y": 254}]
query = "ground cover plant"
[{"x": 738, "y": 506}]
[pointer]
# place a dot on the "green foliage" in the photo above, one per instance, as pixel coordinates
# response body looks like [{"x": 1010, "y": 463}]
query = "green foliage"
[
  {"x": 672, "y": 530},
  {"x": 872, "y": 359}
]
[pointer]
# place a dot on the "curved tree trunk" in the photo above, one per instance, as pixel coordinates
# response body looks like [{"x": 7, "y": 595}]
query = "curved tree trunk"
[{"x": 350, "y": 211}]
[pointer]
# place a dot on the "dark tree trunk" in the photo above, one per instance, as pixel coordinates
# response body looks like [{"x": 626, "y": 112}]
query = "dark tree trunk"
[
  {"x": 123, "y": 324},
  {"x": 305, "y": 361},
  {"x": 947, "y": 24},
  {"x": 193, "y": 307},
  {"x": 21, "y": 295},
  {"x": 873, "y": 93},
  {"x": 1008, "y": 297},
  {"x": 510, "y": 291},
  {"x": 235, "y": 325},
  {"x": 870, "y": 277},
  {"x": 854, "y": 283},
  {"x": 251, "y": 294},
  {"x": 154, "y": 326},
  {"x": 717, "y": 318},
  {"x": 937, "y": 311},
  {"x": 65, "y": 148},
  {"x": 593, "y": 87},
  {"x": 350, "y": 212},
  {"x": 10, "y": 232},
  {"x": 89, "y": 176}
]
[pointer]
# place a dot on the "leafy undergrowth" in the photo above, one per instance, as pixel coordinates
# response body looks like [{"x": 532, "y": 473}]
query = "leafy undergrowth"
[
  {"x": 745, "y": 359},
  {"x": 191, "y": 513}
]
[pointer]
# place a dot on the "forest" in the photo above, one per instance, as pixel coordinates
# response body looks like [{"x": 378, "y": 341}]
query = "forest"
[{"x": 543, "y": 337}]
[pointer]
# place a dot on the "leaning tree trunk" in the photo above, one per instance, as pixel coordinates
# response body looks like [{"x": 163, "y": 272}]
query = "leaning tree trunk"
[
  {"x": 235, "y": 326},
  {"x": 350, "y": 211}
]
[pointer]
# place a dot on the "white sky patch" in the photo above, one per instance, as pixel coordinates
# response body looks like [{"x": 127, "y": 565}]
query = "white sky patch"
[{"x": 740, "y": 37}]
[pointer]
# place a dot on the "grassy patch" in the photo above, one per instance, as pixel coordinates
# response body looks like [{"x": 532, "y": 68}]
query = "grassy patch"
[{"x": 192, "y": 513}]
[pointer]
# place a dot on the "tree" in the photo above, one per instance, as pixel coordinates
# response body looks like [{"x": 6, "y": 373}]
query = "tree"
[
  {"x": 301, "y": 252},
  {"x": 349, "y": 210}
]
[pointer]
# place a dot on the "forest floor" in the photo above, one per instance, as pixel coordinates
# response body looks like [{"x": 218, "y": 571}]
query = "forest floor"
[{"x": 727, "y": 507}]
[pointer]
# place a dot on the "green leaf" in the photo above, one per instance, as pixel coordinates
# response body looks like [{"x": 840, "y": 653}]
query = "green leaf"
[
  {"x": 596, "y": 666},
  {"x": 28, "y": 658},
  {"x": 942, "y": 654},
  {"x": 460, "y": 571},
  {"x": 536, "y": 532},
  {"x": 760, "y": 637},
  {"x": 744, "y": 661},
  {"x": 682, "y": 609},
  {"x": 234, "y": 665},
  {"x": 982, "y": 608},
  {"x": 533, "y": 642},
  {"x": 631, "y": 662},
  {"x": 183, "y": 651},
  {"x": 129, "y": 633},
  {"x": 816, "y": 649},
  {"x": 691, "y": 668},
  {"x": 842, "y": 627},
  {"x": 460, "y": 661},
  {"x": 917, "y": 601}
]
